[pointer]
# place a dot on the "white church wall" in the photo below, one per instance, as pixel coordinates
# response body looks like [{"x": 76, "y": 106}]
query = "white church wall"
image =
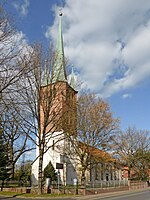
[
  {"x": 55, "y": 154},
  {"x": 52, "y": 154},
  {"x": 71, "y": 171}
]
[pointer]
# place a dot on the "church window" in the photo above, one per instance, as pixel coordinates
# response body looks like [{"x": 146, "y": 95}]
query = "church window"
[
  {"x": 54, "y": 91},
  {"x": 102, "y": 178},
  {"x": 102, "y": 172},
  {"x": 53, "y": 145},
  {"x": 111, "y": 175},
  {"x": 107, "y": 176},
  {"x": 72, "y": 95},
  {"x": 96, "y": 172}
]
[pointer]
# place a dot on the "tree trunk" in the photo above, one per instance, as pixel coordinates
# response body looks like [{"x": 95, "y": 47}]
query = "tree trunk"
[
  {"x": 129, "y": 173},
  {"x": 83, "y": 179},
  {"x": 2, "y": 186},
  {"x": 40, "y": 172},
  {"x": 40, "y": 148},
  {"x": 12, "y": 170}
]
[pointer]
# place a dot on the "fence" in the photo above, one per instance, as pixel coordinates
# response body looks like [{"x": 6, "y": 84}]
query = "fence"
[
  {"x": 133, "y": 185},
  {"x": 14, "y": 183},
  {"x": 91, "y": 188},
  {"x": 107, "y": 184}
]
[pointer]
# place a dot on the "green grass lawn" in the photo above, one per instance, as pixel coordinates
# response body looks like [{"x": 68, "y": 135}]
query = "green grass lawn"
[{"x": 32, "y": 195}]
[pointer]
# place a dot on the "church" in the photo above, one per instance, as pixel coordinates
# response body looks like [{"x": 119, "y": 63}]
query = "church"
[
  {"x": 62, "y": 116},
  {"x": 62, "y": 119}
]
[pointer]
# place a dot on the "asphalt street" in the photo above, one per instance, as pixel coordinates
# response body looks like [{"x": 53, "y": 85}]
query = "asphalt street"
[
  {"x": 143, "y": 195},
  {"x": 128, "y": 195}
]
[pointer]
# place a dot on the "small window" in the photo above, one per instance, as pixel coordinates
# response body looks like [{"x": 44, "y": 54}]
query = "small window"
[
  {"x": 54, "y": 91},
  {"x": 96, "y": 172},
  {"x": 107, "y": 176},
  {"x": 53, "y": 145}
]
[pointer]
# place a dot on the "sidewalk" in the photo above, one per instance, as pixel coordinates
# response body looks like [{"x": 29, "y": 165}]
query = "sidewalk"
[{"x": 111, "y": 194}]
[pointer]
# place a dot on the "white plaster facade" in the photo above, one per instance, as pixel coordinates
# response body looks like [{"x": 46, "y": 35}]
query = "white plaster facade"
[
  {"x": 70, "y": 171},
  {"x": 56, "y": 154}
]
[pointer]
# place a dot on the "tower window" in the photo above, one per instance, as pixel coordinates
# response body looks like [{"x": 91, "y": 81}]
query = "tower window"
[{"x": 53, "y": 146}]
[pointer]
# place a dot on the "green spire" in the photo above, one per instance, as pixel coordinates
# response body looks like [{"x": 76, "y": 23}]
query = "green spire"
[
  {"x": 72, "y": 80},
  {"x": 59, "y": 71},
  {"x": 46, "y": 75}
]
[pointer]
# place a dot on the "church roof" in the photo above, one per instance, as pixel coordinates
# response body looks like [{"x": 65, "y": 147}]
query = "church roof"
[{"x": 96, "y": 153}]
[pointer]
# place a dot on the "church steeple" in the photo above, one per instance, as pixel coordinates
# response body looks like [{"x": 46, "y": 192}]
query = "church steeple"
[{"x": 59, "y": 71}]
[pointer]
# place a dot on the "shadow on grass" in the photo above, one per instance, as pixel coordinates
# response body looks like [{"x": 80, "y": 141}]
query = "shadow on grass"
[
  {"x": 16, "y": 195},
  {"x": 11, "y": 197}
]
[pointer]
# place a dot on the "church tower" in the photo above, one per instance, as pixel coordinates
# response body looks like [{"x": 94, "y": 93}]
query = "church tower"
[
  {"x": 62, "y": 114},
  {"x": 59, "y": 96}
]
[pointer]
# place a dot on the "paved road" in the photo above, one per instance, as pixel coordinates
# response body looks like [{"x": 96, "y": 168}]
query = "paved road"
[
  {"x": 130, "y": 195},
  {"x": 143, "y": 195}
]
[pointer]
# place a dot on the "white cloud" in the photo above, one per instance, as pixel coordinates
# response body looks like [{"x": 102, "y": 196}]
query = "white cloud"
[
  {"x": 108, "y": 41},
  {"x": 22, "y": 8},
  {"x": 16, "y": 44},
  {"x": 126, "y": 96}
]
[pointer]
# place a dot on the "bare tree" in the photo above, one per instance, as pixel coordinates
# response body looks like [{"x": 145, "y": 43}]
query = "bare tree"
[
  {"x": 95, "y": 127},
  {"x": 12, "y": 51},
  {"x": 35, "y": 104},
  {"x": 132, "y": 148},
  {"x": 42, "y": 103},
  {"x": 15, "y": 137}
]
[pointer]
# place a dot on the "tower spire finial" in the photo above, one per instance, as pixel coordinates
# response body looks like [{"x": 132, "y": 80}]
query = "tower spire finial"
[{"x": 59, "y": 71}]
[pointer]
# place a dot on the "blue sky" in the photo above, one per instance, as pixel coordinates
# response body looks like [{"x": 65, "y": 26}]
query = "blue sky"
[{"x": 107, "y": 41}]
